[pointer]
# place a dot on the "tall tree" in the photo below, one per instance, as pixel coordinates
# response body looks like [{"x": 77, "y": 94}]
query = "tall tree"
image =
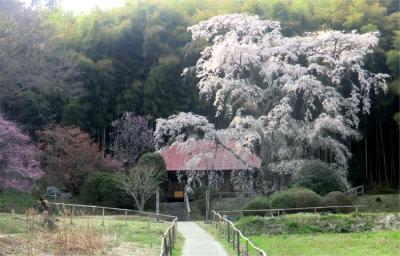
[
  {"x": 33, "y": 71},
  {"x": 287, "y": 98}
]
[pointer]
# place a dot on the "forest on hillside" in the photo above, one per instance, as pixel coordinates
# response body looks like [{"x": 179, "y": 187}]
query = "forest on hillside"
[{"x": 86, "y": 70}]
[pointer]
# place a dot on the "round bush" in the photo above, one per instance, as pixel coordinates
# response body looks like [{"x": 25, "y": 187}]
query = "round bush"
[
  {"x": 337, "y": 198},
  {"x": 317, "y": 176},
  {"x": 102, "y": 188},
  {"x": 259, "y": 203},
  {"x": 295, "y": 198}
]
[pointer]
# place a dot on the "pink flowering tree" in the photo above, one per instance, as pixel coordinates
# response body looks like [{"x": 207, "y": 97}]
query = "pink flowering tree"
[
  {"x": 18, "y": 166},
  {"x": 131, "y": 138}
]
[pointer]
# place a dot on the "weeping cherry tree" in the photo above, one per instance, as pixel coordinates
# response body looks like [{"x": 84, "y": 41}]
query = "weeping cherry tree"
[{"x": 288, "y": 99}]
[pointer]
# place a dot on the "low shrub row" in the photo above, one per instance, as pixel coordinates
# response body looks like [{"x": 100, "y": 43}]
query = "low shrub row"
[
  {"x": 103, "y": 188},
  {"x": 298, "y": 198},
  {"x": 306, "y": 223}
]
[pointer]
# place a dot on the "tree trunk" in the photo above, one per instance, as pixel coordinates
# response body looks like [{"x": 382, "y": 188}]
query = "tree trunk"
[{"x": 103, "y": 141}]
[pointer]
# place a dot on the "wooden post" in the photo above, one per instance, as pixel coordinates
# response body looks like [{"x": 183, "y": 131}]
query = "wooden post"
[
  {"x": 229, "y": 239},
  {"x": 213, "y": 222},
  {"x": 315, "y": 210},
  {"x": 247, "y": 248},
  {"x": 148, "y": 221},
  {"x": 72, "y": 213},
  {"x": 207, "y": 204},
  {"x": 27, "y": 220},
  {"x": 238, "y": 242},
  {"x": 126, "y": 217},
  {"x": 103, "y": 217},
  {"x": 233, "y": 238},
  {"x": 170, "y": 240},
  {"x": 158, "y": 204},
  {"x": 165, "y": 247}
]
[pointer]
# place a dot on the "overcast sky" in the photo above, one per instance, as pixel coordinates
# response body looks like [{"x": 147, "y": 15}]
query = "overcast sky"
[{"x": 79, "y": 6}]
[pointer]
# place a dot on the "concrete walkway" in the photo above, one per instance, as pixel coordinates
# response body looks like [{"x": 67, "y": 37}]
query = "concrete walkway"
[{"x": 198, "y": 242}]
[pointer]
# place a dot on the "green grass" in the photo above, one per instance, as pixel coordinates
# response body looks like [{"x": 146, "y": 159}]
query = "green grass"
[
  {"x": 18, "y": 201},
  {"x": 353, "y": 244},
  {"x": 378, "y": 203},
  {"x": 12, "y": 223},
  {"x": 178, "y": 245}
]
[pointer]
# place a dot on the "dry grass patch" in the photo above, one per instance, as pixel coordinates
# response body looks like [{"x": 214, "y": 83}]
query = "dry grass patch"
[{"x": 32, "y": 235}]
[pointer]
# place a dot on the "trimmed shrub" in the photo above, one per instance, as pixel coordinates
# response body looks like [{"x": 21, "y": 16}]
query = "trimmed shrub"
[
  {"x": 295, "y": 198},
  {"x": 319, "y": 177},
  {"x": 258, "y": 203},
  {"x": 102, "y": 188},
  {"x": 337, "y": 198},
  {"x": 307, "y": 223}
]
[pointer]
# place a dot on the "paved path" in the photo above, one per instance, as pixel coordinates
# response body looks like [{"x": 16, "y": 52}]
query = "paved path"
[{"x": 198, "y": 242}]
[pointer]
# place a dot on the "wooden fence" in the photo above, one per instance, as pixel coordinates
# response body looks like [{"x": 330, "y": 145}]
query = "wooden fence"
[
  {"x": 279, "y": 212},
  {"x": 241, "y": 244},
  {"x": 355, "y": 191},
  {"x": 168, "y": 239}
]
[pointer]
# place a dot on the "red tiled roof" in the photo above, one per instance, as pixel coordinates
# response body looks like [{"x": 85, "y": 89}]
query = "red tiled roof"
[{"x": 200, "y": 155}]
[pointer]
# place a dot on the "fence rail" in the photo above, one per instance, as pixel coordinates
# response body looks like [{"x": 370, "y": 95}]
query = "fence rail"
[
  {"x": 355, "y": 191},
  {"x": 283, "y": 210},
  {"x": 245, "y": 194},
  {"x": 241, "y": 244},
  {"x": 168, "y": 238}
]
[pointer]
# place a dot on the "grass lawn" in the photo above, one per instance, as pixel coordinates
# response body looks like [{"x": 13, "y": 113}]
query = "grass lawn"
[
  {"x": 378, "y": 203},
  {"x": 385, "y": 243}
]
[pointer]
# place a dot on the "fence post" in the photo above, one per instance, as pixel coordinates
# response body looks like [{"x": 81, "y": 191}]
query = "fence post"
[
  {"x": 148, "y": 221},
  {"x": 103, "y": 216},
  {"x": 213, "y": 222},
  {"x": 247, "y": 248},
  {"x": 171, "y": 244},
  {"x": 126, "y": 217},
  {"x": 165, "y": 247},
  {"x": 158, "y": 204},
  {"x": 229, "y": 239},
  {"x": 233, "y": 238},
  {"x": 315, "y": 210},
  {"x": 238, "y": 242},
  {"x": 207, "y": 204},
  {"x": 72, "y": 213}
]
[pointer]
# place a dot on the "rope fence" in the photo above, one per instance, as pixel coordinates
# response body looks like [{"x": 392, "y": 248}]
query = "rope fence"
[
  {"x": 113, "y": 218},
  {"x": 281, "y": 211},
  {"x": 355, "y": 191},
  {"x": 241, "y": 244}
]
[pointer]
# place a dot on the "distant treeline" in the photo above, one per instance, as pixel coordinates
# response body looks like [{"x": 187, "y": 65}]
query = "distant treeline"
[{"x": 86, "y": 70}]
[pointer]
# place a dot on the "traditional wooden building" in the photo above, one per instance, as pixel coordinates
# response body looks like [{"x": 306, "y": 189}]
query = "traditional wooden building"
[{"x": 205, "y": 156}]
